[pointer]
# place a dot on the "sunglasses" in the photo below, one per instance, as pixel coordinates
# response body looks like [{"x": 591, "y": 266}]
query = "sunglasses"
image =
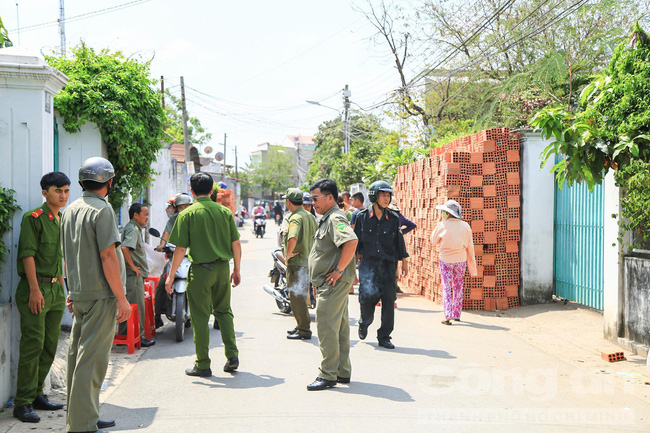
[{"x": 318, "y": 197}]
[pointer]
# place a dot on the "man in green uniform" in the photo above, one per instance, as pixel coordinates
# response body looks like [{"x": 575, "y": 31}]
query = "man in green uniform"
[
  {"x": 208, "y": 229},
  {"x": 137, "y": 268},
  {"x": 94, "y": 265},
  {"x": 331, "y": 269},
  {"x": 297, "y": 245},
  {"x": 40, "y": 296}
]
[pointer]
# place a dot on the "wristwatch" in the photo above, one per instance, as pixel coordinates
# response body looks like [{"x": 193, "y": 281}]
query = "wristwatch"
[{"x": 336, "y": 269}]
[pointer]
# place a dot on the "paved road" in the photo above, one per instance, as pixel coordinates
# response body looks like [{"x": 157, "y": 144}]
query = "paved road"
[{"x": 484, "y": 374}]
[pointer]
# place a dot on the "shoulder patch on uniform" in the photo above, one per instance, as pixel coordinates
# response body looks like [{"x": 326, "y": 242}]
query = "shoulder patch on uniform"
[
  {"x": 37, "y": 213},
  {"x": 292, "y": 225},
  {"x": 341, "y": 227}
]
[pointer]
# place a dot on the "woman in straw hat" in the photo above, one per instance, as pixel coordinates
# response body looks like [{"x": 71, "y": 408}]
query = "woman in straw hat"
[{"x": 456, "y": 255}]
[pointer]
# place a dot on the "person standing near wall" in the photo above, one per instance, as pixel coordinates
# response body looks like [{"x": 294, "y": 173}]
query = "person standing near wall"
[
  {"x": 40, "y": 296},
  {"x": 297, "y": 245},
  {"x": 456, "y": 254},
  {"x": 381, "y": 246},
  {"x": 137, "y": 268},
  {"x": 331, "y": 270},
  {"x": 96, "y": 279},
  {"x": 405, "y": 226}
]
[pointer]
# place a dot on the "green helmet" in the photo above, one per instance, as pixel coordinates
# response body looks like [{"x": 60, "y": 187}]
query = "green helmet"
[
  {"x": 97, "y": 169},
  {"x": 380, "y": 185}
]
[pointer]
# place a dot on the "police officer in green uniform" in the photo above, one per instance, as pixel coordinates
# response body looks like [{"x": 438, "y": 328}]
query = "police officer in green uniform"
[
  {"x": 208, "y": 229},
  {"x": 40, "y": 296},
  {"x": 95, "y": 269},
  {"x": 135, "y": 259},
  {"x": 297, "y": 245},
  {"x": 332, "y": 270}
]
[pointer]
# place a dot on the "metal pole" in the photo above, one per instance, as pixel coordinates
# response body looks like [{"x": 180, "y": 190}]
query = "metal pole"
[
  {"x": 346, "y": 106},
  {"x": 186, "y": 137},
  {"x": 62, "y": 26},
  {"x": 162, "y": 96},
  {"x": 224, "y": 157},
  {"x": 236, "y": 170},
  {"x": 18, "y": 22}
]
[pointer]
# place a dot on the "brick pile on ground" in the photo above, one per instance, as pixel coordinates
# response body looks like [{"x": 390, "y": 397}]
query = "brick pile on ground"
[
  {"x": 481, "y": 172},
  {"x": 226, "y": 197}
]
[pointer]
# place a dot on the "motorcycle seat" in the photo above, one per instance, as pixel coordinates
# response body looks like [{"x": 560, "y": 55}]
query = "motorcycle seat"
[{"x": 278, "y": 255}]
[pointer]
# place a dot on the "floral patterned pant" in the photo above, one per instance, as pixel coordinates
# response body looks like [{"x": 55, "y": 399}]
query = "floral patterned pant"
[{"x": 453, "y": 275}]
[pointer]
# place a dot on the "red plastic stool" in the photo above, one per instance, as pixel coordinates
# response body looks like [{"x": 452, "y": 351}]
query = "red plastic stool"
[
  {"x": 132, "y": 337},
  {"x": 149, "y": 325},
  {"x": 154, "y": 284}
]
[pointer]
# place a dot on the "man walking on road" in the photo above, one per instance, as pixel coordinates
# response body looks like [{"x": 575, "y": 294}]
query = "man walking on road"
[
  {"x": 96, "y": 279},
  {"x": 208, "y": 229},
  {"x": 297, "y": 245},
  {"x": 381, "y": 246},
  {"x": 40, "y": 296},
  {"x": 331, "y": 269},
  {"x": 137, "y": 268}
]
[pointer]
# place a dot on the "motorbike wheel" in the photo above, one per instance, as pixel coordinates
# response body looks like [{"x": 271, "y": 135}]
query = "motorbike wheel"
[
  {"x": 180, "y": 317},
  {"x": 284, "y": 307}
]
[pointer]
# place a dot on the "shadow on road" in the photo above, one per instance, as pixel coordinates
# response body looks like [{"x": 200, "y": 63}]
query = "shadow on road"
[
  {"x": 432, "y": 353},
  {"x": 242, "y": 380},
  {"x": 417, "y": 310},
  {"x": 376, "y": 390},
  {"x": 129, "y": 418},
  {"x": 481, "y": 326}
]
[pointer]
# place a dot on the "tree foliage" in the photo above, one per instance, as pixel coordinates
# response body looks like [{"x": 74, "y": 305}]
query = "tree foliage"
[
  {"x": 367, "y": 141},
  {"x": 4, "y": 36},
  {"x": 173, "y": 123},
  {"x": 116, "y": 94},
  {"x": 8, "y": 206},
  {"x": 634, "y": 179},
  {"x": 274, "y": 172},
  {"x": 613, "y": 127}
]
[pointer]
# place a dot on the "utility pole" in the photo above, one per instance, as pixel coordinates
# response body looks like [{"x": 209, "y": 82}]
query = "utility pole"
[
  {"x": 62, "y": 26},
  {"x": 346, "y": 106},
  {"x": 236, "y": 163},
  {"x": 186, "y": 137},
  {"x": 224, "y": 157},
  {"x": 18, "y": 22},
  {"x": 162, "y": 95}
]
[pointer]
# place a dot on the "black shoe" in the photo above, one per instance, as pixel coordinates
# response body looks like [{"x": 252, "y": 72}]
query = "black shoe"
[
  {"x": 41, "y": 402},
  {"x": 26, "y": 413},
  {"x": 446, "y": 322},
  {"x": 200, "y": 372},
  {"x": 215, "y": 325},
  {"x": 292, "y": 331},
  {"x": 147, "y": 343},
  {"x": 298, "y": 336},
  {"x": 363, "y": 332},
  {"x": 456, "y": 320},
  {"x": 399, "y": 290},
  {"x": 231, "y": 365},
  {"x": 105, "y": 424},
  {"x": 387, "y": 344},
  {"x": 320, "y": 384},
  {"x": 340, "y": 379},
  {"x": 159, "y": 322}
]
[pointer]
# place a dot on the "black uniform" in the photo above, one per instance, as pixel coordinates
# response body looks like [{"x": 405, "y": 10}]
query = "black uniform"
[{"x": 381, "y": 245}]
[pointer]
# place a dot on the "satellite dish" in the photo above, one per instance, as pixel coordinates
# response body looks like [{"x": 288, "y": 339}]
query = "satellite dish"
[
  {"x": 207, "y": 150},
  {"x": 218, "y": 156}
]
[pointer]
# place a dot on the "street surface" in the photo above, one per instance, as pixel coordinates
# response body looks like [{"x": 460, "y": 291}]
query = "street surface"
[{"x": 532, "y": 369}]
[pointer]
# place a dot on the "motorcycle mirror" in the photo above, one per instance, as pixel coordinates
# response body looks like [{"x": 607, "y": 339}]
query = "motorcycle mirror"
[{"x": 153, "y": 232}]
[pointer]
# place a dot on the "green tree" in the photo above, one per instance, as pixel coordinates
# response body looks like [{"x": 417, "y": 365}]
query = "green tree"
[
  {"x": 4, "y": 36},
  {"x": 116, "y": 94},
  {"x": 274, "y": 172},
  {"x": 367, "y": 141},
  {"x": 174, "y": 123}
]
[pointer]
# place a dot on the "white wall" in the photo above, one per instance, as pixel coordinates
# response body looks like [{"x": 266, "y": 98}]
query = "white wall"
[
  {"x": 612, "y": 266},
  {"x": 162, "y": 188},
  {"x": 537, "y": 222}
]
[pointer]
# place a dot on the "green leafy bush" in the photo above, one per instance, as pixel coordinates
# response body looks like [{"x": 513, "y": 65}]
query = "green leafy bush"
[
  {"x": 8, "y": 206},
  {"x": 634, "y": 180}
]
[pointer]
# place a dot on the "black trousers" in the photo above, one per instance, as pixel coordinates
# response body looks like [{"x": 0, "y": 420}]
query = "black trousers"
[{"x": 378, "y": 282}]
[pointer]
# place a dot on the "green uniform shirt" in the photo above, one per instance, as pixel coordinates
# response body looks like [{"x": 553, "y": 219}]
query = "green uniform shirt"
[
  {"x": 208, "y": 229},
  {"x": 89, "y": 226},
  {"x": 40, "y": 237},
  {"x": 284, "y": 227},
  {"x": 132, "y": 239},
  {"x": 170, "y": 223},
  {"x": 333, "y": 231},
  {"x": 302, "y": 226}
]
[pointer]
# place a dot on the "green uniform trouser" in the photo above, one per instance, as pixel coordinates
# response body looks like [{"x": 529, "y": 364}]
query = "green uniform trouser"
[
  {"x": 298, "y": 283},
  {"x": 90, "y": 349},
  {"x": 39, "y": 338},
  {"x": 333, "y": 325},
  {"x": 135, "y": 295},
  {"x": 207, "y": 288}
]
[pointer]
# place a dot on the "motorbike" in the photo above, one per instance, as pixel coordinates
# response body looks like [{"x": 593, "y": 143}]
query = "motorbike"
[
  {"x": 177, "y": 308},
  {"x": 279, "y": 290},
  {"x": 259, "y": 226},
  {"x": 239, "y": 219}
]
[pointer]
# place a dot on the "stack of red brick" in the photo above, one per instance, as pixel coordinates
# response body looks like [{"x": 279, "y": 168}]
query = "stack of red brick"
[
  {"x": 481, "y": 172},
  {"x": 226, "y": 197}
]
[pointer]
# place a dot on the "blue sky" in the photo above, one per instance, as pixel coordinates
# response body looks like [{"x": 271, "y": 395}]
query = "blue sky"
[{"x": 261, "y": 59}]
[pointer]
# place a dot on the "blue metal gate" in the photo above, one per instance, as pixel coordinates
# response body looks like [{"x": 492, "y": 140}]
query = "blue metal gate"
[{"x": 578, "y": 255}]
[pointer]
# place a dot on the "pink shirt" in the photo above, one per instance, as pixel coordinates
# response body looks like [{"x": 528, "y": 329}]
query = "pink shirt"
[{"x": 456, "y": 244}]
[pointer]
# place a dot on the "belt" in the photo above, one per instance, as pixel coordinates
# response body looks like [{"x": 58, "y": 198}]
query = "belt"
[{"x": 50, "y": 280}]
